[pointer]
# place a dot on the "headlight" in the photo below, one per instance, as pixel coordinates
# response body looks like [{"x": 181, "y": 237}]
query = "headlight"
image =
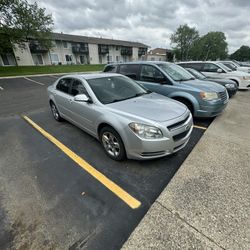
[
  {"x": 145, "y": 131},
  {"x": 230, "y": 86},
  {"x": 208, "y": 96}
]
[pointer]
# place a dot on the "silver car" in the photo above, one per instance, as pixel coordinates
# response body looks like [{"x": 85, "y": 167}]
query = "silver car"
[{"x": 129, "y": 120}]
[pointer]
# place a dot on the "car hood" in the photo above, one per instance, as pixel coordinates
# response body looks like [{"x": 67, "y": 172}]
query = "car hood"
[
  {"x": 221, "y": 81},
  {"x": 204, "y": 85},
  {"x": 237, "y": 73},
  {"x": 150, "y": 106}
]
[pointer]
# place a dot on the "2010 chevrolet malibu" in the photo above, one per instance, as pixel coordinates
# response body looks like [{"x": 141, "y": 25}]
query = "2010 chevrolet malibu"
[{"x": 129, "y": 120}]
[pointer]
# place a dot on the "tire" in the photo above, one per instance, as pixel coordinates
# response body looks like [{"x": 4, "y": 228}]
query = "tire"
[
  {"x": 112, "y": 144},
  {"x": 188, "y": 104},
  {"x": 55, "y": 112}
]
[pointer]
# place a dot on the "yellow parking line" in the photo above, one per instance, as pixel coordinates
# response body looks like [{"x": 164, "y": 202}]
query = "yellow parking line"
[
  {"x": 121, "y": 193},
  {"x": 200, "y": 127}
]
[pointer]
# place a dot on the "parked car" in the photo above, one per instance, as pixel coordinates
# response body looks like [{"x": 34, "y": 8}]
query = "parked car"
[
  {"x": 230, "y": 85},
  {"x": 235, "y": 66},
  {"x": 203, "y": 99},
  {"x": 218, "y": 70},
  {"x": 129, "y": 120}
]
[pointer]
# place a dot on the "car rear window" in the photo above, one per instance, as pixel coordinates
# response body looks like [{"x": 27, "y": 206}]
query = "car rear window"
[{"x": 111, "y": 68}]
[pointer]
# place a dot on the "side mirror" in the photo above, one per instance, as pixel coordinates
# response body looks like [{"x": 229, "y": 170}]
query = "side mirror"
[
  {"x": 219, "y": 70},
  {"x": 81, "y": 98}
]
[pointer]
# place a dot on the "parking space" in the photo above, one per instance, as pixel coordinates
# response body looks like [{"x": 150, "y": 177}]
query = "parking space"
[{"x": 65, "y": 192}]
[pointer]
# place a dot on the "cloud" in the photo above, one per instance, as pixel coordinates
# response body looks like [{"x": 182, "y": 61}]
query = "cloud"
[{"x": 149, "y": 21}]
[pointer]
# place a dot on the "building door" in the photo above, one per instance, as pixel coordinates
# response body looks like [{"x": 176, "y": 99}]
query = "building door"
[{"x": 82, "y": 60}]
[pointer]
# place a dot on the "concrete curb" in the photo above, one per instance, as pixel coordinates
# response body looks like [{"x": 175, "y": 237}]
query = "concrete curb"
[{"x": 206, "y": 204}]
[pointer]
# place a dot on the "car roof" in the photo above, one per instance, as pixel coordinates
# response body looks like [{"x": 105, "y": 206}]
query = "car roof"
[
  {"x": 91, "y": 75},
  {"x": 196, "y": 62},
  {"x": 140, "y": 62}
]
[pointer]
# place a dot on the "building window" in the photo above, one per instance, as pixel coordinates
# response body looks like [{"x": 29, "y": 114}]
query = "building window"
[
  {"x": 117, "y": 58},
  {"x": 53, "y": 43},
  {"x": 54, "y": 58},
  {"x": 109, "y": 58},
  {"x": 68, "y": 58},
  {"x": 117, "y": 47},
  {"x": 37, "y": 59},
  {"x": 65, "y": 45}
]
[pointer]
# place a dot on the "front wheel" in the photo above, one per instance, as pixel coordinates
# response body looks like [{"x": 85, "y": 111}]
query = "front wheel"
[
  {"x": 112, "y": 144},
  {"x": 55, "y": 112}
]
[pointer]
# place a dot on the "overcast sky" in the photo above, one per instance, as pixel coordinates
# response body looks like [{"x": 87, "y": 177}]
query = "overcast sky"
[{"x": 151, "y": 21}]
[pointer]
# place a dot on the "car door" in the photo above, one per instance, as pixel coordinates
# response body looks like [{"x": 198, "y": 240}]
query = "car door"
[
  {"x": 154, "y": 80},
  {"x": 62, "y": 96},
  {"x": 211, "y": 70},
  {"x": 84, "y": 114}
]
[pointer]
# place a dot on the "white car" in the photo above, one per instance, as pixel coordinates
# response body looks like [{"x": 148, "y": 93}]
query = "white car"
[
  {"x": 235, "y": 66},
  {"x": 219, "y": 70}
]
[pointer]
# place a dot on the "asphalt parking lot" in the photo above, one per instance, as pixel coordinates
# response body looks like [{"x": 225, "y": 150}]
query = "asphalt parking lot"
[{"x": 47, "y": 199}]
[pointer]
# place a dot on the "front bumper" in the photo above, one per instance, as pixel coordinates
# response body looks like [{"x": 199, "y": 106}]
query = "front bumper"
[
  {"x": 144, "y": 149},
  {"x": 244, "y": 84},
  {"x": 212, "y": 110}
]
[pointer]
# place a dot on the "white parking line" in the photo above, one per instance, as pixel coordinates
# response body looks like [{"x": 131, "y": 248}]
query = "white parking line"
[
  {"x": 1, "y": 88},
  {"x": 34, "y": 81}
]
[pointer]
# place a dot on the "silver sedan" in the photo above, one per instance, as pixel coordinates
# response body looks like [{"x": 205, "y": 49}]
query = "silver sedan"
[{"x": 129, "y": 120}]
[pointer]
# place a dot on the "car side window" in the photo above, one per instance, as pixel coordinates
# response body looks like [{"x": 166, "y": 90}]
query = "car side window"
[
  {"x": 78, "y": 88},
  {"x": 64, "y": 85},
  {"x": 210, "y": 67},
  {"x": 130, "y": 70},
  {"x": 111, "y": 68},
  {"x": 197, "y": 66},
  {"x": 151, "y": 74}
]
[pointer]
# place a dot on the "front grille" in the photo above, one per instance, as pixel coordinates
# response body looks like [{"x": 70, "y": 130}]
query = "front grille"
[
  {"x": 223, "y": 95},
  {"x": 178, "y": 124},
  {"x": 180, "y": 136}
]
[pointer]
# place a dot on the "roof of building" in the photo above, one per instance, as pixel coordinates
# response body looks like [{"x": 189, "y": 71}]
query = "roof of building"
[
  {"x": 159, "y": 51},
  {"x": 96, "y": 40}
]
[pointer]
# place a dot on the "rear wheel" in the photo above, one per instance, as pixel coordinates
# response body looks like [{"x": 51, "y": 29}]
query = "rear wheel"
[
  {"x": 112, "y": 144},
  {"x": 55, "y": 112}
]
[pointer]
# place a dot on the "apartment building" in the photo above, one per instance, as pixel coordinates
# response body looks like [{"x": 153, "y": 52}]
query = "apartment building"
[
  {"x": 72, "y": 49},
  {"x": 160, "y": 54}
]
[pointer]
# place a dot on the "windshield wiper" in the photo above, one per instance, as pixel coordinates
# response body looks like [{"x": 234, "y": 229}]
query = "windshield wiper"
[
  {"x": 136, "y": 95},
  {"x": 188, "y": 79}
]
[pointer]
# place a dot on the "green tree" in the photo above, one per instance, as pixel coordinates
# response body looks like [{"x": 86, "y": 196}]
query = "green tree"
[
  {"x": 241, "y": 54},
  {"x": 211, "y": 46},
  {"x": 184, "y": 38},
  {"x": 21, "y": 21}
]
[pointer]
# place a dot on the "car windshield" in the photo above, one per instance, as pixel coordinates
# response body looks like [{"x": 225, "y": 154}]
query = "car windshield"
[
  {"x": 230, "y": 66},
  {"x": 196, "y": 74},
  {"x": 236, "y": 63},
  {"x": 224, "y": 67},
  {"x": 176, "y": 72},
  {"x": 115, "y": 89}
]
